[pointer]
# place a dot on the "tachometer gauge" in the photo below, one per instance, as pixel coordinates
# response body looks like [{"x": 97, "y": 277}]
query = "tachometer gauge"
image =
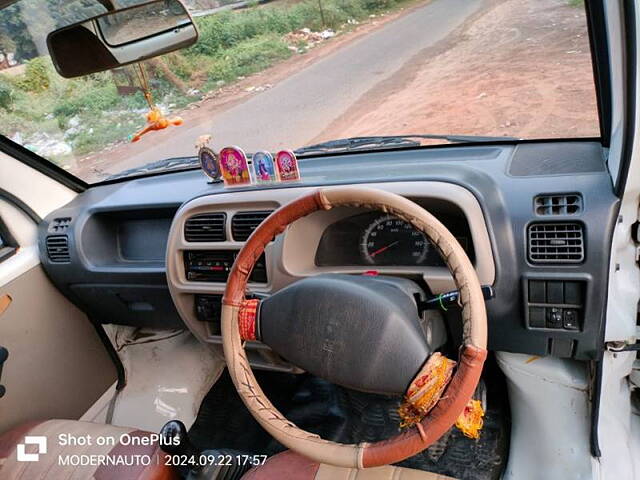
[{"x": 392, "y": 241}]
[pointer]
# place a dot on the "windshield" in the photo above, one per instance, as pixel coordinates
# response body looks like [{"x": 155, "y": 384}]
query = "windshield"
[{"x": 280, "y": 74}]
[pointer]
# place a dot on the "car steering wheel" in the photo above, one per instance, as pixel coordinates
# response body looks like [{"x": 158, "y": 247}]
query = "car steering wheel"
[{"x": 239, "y": 316}]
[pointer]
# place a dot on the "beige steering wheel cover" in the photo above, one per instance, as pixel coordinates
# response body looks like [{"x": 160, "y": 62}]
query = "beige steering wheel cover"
[{"x": 472, "y": 356}]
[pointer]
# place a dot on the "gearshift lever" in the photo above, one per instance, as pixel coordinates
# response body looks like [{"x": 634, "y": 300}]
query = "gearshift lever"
[{"x": 174, "y": 440}]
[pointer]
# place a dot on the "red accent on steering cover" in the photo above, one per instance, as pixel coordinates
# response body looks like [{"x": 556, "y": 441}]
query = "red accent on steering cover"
[{"x": 247, "y": 319}]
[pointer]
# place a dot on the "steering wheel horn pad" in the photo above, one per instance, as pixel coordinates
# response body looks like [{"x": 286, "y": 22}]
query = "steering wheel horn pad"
[
  {"x": 358, "y": 331},
  {"x": 472, "y": 354}
]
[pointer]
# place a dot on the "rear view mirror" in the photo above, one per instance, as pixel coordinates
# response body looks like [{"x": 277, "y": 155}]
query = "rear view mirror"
[{"x": 121, "y": 37}]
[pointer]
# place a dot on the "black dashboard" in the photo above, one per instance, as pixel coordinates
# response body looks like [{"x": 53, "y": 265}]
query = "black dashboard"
[{"x": 549, "y": 209}]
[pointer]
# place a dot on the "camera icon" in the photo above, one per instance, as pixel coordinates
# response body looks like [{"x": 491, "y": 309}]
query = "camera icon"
[{"x": 21, "y": 450}]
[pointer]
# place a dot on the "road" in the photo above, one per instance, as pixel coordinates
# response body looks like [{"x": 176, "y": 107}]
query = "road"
[
  {"x": 230, "y": 6},
  {"x": 297, "y": 109}
]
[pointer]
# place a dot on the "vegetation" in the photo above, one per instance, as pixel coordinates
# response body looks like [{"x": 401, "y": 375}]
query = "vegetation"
[
  {"x": 41, "y": 21},
  {"x": 88, "y": 113}
]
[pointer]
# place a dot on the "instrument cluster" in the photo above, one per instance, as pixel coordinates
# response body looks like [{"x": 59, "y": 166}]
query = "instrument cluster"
[{"x": 377, "y": 239}]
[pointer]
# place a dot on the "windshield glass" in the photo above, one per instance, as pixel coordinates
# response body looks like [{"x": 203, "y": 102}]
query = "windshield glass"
[{"x": 267, "y": 75}]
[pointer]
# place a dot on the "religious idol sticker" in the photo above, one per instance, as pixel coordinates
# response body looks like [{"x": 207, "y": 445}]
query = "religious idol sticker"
[
  {"x": 263, "y": 167},
  {"x": 209, "y": 163},
  {"x": 208, "y": 158},
  {"x": 234, "y": 167},
  {"x": 287, "y": 166}
]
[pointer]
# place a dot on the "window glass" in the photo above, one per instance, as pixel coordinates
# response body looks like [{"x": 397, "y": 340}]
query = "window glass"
[{"x": 290, "y": 73}]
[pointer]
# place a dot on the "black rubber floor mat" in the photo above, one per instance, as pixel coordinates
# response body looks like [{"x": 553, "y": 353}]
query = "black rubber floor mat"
[
  {"x": 224, "y": 422},
  {"x": 347, "y": 416}
]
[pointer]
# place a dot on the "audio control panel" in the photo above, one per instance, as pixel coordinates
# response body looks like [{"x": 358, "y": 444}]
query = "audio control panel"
[{"x": 215, "y": 266}]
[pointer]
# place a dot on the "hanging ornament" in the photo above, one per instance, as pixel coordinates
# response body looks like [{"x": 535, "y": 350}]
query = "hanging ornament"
[{"x": 156, "y": 120}]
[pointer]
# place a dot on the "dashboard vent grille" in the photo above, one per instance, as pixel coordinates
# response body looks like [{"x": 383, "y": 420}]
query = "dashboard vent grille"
[
  {"x": 206, "y": 227},
  {"x": 561, "y": 204},
  {"x": 60, "y": 225},
  {"x": 58, "y": 249},
  {"x": 556, "y": 243},
  {"x": 243, "y": 224}
]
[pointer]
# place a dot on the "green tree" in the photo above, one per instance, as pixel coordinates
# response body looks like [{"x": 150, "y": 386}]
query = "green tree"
[
  {"x": 42, "y": 16},
  {"x": 12, "y": 26},
  {"x": 7, "y": 46}
]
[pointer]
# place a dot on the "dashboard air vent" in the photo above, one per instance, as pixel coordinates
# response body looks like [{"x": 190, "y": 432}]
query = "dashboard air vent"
[
  {"x": 561, "y": 204},
  {"x": 206, "y": 227},
  {"x": 58, "y": 249},
  {"x": 244, "y": 223},
  {"x": 60, "y": 225},
  {"x": 556, "y": 243}
]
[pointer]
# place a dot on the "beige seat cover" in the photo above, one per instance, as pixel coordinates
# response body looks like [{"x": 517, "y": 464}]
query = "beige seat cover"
[
  {"x": 289, "y": 465},
  {"x": 329, "y": 472}
]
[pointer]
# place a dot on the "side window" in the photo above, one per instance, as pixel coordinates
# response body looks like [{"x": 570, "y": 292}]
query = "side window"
[{"x": 8, "y": 245}]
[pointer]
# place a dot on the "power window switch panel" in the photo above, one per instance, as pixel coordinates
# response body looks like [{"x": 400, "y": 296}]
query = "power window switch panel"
[
  {"x": 537, "y": 317},
  {"x": 570, "y": 319},
  {"x": 555, "y": 292},
  {"x": 554, "y": 317},
  {"x": 573, "y": 293},
  {"x": 537, "y": 293}
]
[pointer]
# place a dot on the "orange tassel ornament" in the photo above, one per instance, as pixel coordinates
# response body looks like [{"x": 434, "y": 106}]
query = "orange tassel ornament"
[{"x": 156, "y": 120}]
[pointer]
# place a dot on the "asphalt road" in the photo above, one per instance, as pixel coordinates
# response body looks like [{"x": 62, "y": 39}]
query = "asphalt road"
[{"x": 298, "y": 109}]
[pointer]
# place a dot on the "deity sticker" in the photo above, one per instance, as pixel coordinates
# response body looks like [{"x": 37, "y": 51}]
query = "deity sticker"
[
  {"x": 287, "y": 166},
  {"x": 263, "y": 167},
  {"x": 234, "y": 167},
  {"x": 209, "y": 163}
]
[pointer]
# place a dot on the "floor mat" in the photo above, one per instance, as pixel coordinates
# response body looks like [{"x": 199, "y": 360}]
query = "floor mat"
[
  {"x": 224, "y": 422},
  {"x": 347, "y": 416}
]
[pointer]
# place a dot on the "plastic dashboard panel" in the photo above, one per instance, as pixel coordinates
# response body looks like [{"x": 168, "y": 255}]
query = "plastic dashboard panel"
[
  {"x": 291, "y": 256},
  {"x": 504, "y": 179}
]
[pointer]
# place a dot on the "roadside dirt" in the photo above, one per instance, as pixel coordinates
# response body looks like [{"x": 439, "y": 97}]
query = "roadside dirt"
[{"x": 522, "y": 68}]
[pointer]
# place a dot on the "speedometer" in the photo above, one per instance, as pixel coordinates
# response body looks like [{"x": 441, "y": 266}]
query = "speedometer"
[{"x": 389, "y": 240}]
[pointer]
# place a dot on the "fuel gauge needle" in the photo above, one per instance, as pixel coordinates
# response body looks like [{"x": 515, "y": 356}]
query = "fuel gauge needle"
[{"x": 380, "y": 250}]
